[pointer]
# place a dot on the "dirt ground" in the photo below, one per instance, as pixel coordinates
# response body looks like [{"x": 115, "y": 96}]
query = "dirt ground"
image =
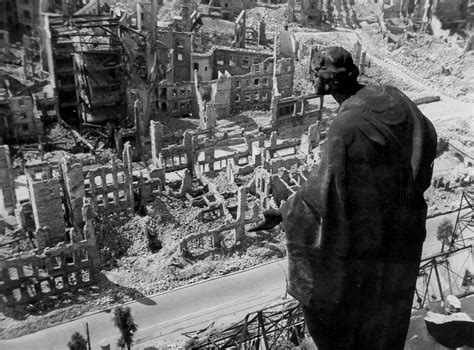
[{"x": 130, "y": 270}]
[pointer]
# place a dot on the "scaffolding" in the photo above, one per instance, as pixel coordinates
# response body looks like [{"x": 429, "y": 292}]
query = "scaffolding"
[
  {"x": 267, "y": 328},
  {"x": 450, "y": 272}
]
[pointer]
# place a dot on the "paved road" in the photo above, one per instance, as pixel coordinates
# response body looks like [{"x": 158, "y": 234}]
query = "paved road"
[
  {"x": 174, "y": 312},
  {"x": 169, "y": 314}
]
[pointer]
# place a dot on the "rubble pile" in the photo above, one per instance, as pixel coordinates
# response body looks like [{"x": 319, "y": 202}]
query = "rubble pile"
[
  {"x": 442, "y": 65},
  {"x": 166, "y": 135},
  {"x": 274, "y": 15}
]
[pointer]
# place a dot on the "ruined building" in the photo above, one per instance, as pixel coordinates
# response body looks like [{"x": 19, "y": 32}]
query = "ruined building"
[{"x": 89, "y": 70}]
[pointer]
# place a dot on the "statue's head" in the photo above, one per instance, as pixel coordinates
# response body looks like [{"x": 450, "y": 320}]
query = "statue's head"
[{"x": 332, "y": 70}]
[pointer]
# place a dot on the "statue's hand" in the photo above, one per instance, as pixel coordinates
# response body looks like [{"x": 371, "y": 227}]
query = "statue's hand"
[{"x": 272, "y": 217}]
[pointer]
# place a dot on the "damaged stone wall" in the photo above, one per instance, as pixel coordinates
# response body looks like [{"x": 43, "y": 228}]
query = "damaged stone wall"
[
  {"x": 236, "y": 61},
  {"x": 27, "y": 278},
  {"x": 229, "y": 95},
  {"x": 236, "y": 228},
  {"x": 109, "y": 188},
  {"x": 25, "y": 123},
  {"x": 293, "y": 115},
  {"x": 174, "y": 100},
  {"x": 44, "y": 189},
  {"x": 240, "y": 30},
  {"x": 227, "y": 9},
  {"x": 174, "y": 50},
  {"x": 253, "y": 90}
]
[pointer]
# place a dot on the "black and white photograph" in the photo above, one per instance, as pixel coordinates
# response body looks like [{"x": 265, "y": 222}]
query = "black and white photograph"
[{"x": 236, "y": 174}]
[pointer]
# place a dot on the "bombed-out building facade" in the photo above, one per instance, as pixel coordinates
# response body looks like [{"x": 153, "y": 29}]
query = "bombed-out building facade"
[
  {"x": 125, "y": 77},
  {"x": 120, "y": 81}
]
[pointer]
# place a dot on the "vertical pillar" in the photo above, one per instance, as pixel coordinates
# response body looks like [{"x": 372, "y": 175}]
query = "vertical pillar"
[
  {"x": 189, "y": 147},
  {"x": 75, "y": 192},
  {"x": 7, "y": 184},
  {"x": 241, "y": 208},
  {"x": 156, "y": 135},
  {"x": 46, "y": 202}
]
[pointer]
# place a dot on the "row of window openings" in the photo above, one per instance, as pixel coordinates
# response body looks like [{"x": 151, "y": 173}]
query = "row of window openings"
[
  {"x": 244, "y": 63},
  {"x": 56, "y": 263},
  {"x": 174, "y": 92},
  {"x": 109, "y": 180},
  {"x": 248, "y": 83},
  {"x": 256, "y": 97},
  {"x": 182, "y": 106},
  {"x": 110, "y": 198},
  {"x": 58, "y": 282}
]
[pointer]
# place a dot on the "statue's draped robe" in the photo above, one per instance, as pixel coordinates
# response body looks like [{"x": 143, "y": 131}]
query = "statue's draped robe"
[{"x": 355, "y": 229}]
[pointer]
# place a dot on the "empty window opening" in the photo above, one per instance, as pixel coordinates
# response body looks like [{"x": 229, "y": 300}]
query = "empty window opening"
[
  {"x": 85, "y": 276},
  {"x": 56, "y": 262},
  {"x": 72, "y": 279},
  {"x": 83, "y": 255},
  {"x": 164, "y": 107},
  {"x": 13, "y": 273},
  {"x": 28, "y": 270},
  {"x": 30, "y": 289},
  {"x": 109, "y": 179},
  {"x": 121, "y": 177},
  {"x": 98, "y": 181},
  {"x": 163, "y": 93},
  {"x": 45, "y": 288},
  {"x": 59, "y": 283},
  {"x": 17, "y": 294}
]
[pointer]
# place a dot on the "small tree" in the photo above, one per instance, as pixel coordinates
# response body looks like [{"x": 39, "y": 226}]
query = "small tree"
[
  {"x": 445, "y": 232},
  {"x": 77, "y": 342},
  {"x": 123, "y": 320}
]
